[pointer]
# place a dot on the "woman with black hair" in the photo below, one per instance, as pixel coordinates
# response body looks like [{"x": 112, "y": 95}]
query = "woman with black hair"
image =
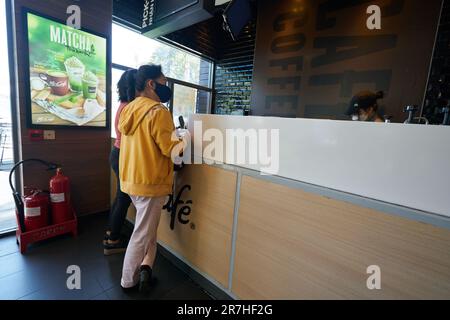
[
  {"x": 149, "y": 143},
  {"x": 113, "y": 243}
]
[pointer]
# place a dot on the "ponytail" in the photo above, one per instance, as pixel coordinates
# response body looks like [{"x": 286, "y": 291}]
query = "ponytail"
[
  {"x": 131, "y": 81},
  {"x": 126, "y": 87}
]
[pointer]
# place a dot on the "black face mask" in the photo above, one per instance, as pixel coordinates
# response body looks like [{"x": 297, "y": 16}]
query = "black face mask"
[{"x": 164, "y": 92}]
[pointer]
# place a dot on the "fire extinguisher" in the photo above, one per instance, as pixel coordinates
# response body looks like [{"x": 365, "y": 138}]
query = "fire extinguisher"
[
  {"x": 36, "y": 210},
  {"x": 60, "y": 198},
  {"x": 18, "y": 199}
]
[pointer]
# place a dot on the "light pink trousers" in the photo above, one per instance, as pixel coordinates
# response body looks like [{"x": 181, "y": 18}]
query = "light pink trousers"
[{"x": 142, "y": 246}]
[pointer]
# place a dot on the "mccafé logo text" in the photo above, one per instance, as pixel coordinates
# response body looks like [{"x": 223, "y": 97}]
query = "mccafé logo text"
[{"x": 178, "y": 208}]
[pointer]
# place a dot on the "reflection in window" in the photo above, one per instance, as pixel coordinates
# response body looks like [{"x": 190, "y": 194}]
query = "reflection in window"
[
  {"x": 5, "y": 107},
  {"x": 184, "y": 102},
  {"x": 188, "y": 101}
]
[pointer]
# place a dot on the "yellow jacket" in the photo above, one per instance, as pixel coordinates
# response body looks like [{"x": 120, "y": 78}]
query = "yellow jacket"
[{"x": 145, "y": 164}]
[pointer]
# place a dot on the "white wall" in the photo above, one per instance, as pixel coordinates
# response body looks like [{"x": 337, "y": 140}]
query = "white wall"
[{"x": 408, "y": 165}]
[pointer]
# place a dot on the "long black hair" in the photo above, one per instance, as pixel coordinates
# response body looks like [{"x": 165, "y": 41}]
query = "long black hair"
[
  {"x": 145, "y": 73},
  {"x": 126, "y": 87}
]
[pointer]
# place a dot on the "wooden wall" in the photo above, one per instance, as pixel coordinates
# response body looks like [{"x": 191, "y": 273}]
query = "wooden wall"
[
  {"x": 83, "y": 154},
  {"x": 312, "y": 56}
]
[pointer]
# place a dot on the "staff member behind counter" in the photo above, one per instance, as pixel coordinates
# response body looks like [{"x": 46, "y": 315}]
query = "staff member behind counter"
[{"x": 364, "y": 106}]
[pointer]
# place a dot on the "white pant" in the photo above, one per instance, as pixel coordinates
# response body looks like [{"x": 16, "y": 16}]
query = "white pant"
[{"x": 142, "y": 246}]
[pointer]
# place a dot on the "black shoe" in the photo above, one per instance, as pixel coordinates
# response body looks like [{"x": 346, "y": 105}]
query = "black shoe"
[
  {"x": 145, "y": 279},
  {"x": 105, "y": 239},
  {"x": 114, "y": 248}
]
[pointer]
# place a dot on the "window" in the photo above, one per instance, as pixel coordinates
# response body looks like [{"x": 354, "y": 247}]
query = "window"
[
  {"x": 188, "y": 101},
  {"x": 116, "y": 74},
  {"x": 5, "y": 106},
  {"x": 190, "y": 76},
  {"x": 7, "y": 215}
]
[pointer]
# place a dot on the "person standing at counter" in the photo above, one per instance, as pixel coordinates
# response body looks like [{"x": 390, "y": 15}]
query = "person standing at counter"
[
  {"x": 364, "y": 106},
  {"x": 113, "y": 243},
  {"x": 146, "y": 169}
]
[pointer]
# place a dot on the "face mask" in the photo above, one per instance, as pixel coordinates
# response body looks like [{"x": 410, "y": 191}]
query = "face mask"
[{"x": 164, "y": 92}]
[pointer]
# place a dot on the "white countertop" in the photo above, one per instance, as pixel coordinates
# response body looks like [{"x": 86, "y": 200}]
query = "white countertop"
[{"x": 407, "y": 165}]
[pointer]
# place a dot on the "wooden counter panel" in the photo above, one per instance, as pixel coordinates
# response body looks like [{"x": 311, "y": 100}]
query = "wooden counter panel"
[
  {"x": 208, "y": 245},
  {"x": 297, "y": 245}
]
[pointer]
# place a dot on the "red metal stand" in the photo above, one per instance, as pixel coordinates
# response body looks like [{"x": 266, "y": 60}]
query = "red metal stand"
[{"x": 26, "y": 238}]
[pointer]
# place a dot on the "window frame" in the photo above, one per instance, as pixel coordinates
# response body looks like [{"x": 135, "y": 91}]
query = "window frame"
[
  {"x": 171, "y": 83},
  {"x": 14, "y": 105}
]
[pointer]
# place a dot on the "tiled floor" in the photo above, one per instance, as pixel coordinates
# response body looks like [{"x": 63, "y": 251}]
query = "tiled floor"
[{"x": 41, "y": 273}]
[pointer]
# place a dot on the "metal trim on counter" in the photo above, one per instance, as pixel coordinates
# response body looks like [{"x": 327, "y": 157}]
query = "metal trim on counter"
[
  {"x": 237, "y": 200},
  {"x": 385, "y": 207}
]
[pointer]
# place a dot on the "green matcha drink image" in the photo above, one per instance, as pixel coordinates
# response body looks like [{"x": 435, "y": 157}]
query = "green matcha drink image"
[
  {"x": 75, "y": 70},
  {"x": 90, "y": 84}
]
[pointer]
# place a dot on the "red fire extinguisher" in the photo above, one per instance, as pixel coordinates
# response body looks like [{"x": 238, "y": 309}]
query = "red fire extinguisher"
[
  {"x": 36, "y": 210},
  {"x": 60, "y": 198}
]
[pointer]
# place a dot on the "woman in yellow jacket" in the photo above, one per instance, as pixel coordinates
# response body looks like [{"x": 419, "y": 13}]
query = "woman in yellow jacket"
[{"x": 148, "y": 145}]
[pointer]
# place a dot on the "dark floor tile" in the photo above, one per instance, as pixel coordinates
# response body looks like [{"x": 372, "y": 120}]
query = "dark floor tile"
[
  {"x": 8, "y": 246},
  {"x": 167, "y": 276},
  {"x": 38, "y": 295},
  {"x": 56, "y": 289},
  {"x": 188, "y": 290},
  {"x": 40, "y": 274},
  {"x": 11, "y": 263},
  {"x": 108, "y": 271},
  {"x": 116, "y": 293},
  {"x": 17, "y": 285},
  {"x": 101, "y": 296}
]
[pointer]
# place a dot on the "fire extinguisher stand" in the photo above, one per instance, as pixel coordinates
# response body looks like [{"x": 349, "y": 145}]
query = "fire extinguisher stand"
[{"x": 24, "y": 237}]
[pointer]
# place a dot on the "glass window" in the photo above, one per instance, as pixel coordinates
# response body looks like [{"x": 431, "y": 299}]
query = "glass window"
[
  {"x": 5, "y": 107},
  {"x": 188, "y": 100},
  {"x": 132, "y": 49},
  {"x": 7, "y": 213},
  {"x": 184, "y": 102},
  {"x": 190, "y": 76},
  {"x": 116, "y": 74}
]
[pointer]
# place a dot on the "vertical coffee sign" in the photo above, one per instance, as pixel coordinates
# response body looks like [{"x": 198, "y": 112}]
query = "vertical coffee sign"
[{"x": 312, "y": 56}]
